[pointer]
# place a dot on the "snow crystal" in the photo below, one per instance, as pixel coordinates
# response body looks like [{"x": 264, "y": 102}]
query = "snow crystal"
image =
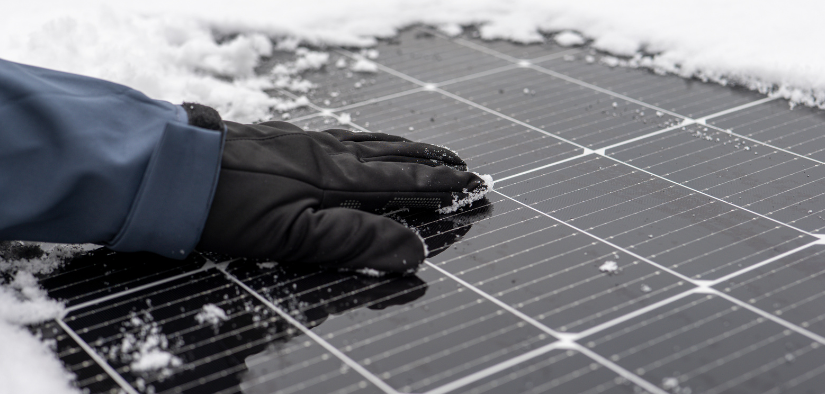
[
  {"x": 646, "y": 288},
  {"x": 212, "y": 314},
  {"x": 144, "y": 347},
  {"x": 467, "y": 197},
  {"x": 364, "y": 66},
  {"x": 569, "y": 38},
  {"x": 370, "y": 272},
  {"x": 609, "y": 267}
]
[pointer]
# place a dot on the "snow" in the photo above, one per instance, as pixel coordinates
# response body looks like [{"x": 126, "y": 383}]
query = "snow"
[
  {"x": 364, "y": 66},
  {"x": 28, "y": 365},
  {"x": 144, "y": 347},
  {"x": 468, "y": 197},
  {"x": 206, "y": 52},
  {"x": 609, "y": 267},
  {"x": 212, "y": 314},
  {"x": 569, "y": 39}
]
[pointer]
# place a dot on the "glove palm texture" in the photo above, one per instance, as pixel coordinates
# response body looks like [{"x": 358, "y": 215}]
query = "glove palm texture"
[{"x": 298, "y": 196}]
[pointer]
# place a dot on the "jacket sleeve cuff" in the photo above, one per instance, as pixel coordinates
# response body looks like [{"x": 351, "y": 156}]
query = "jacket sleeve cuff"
[{"x": 170, "y": 209}]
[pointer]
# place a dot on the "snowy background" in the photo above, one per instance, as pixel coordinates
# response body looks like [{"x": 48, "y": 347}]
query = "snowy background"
[{"x": 207, "y": 51}]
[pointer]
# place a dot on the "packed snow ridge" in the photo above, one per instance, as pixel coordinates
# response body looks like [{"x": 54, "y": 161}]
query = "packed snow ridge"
[{"x": 206, "y": 52}]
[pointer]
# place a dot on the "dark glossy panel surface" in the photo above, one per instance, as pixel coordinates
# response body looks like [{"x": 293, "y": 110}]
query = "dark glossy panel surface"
[
  {"x": 103, "y": 272},
  {"x": 416, "y": 333},
  {"x": 801, "y": 130},
  {"x": 552, "y": 272},
  {"x": 748, "y": 174},
  {"x": 558, "y": 371},
  {"x": 489, "y": 144},
  {"x": 88, "y": 374},
  {"x": 693, "y": 234},
  {"x": 573, "y": 112},
  {"x": 213, "y": 357},
  {"x": 687, "y": 97},
  {"x": 430, "y": 58},
  {"x": 792, "y": 287},
  {"x": 708, "y": 345}
]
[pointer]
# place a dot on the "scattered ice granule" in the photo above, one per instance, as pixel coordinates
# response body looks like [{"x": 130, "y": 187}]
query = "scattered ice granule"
[
  {"x": 526, "y": 91},
  {"x": 810, "y": 211},
  {"x": 569, "y": 58},
  {"x": 670, "y": 383},
  {"x": 370, "y": 272},
  {"x": 646, "y": 288},
  {"x": 650, "y": 235},
  {"x": 412, "y": 128},
  {"x": 615, "y": 104},
  {"x": 610, "y": 61},
  {"x": 341, "y": 63},
  {"x": 468, "y": 196},
  {"x": 589, "y": 59},
  {"x": 344, "y": 118},
  {"x": 370, "y": 53},
  {"x": 789, "y": 357},
  {"x": 364, "y": 66},
  {"x": 610, "y": 267},
  {"x": 659, "y": 114},
  {"x": 569, "y": 38},
  {"x": 327, "y": 102},
  {"x": 285, "y": 116},
  {"x": 357, "y": 85},
  {"x": 154, "y": 359},
  {"x": 747, "y": 148},
  {"x": 212, "y": 314}
]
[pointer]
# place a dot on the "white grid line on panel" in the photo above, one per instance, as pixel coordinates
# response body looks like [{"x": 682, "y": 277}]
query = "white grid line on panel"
[
  {"x": 97, "y": 358},
  {"x": 315, "y": 337},
  {"x": 704, "y": 119},
  {"x": 476, "y": 376}
]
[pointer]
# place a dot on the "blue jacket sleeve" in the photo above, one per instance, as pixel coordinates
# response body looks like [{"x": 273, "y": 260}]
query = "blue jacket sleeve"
[{"x": 85, "y": 160}]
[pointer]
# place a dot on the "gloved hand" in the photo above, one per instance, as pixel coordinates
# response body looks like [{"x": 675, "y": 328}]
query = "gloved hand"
[{"x": 298, "y": 196}]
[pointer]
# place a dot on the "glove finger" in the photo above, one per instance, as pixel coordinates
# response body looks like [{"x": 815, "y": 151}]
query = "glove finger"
[
  {"x": 347, "y": 238},
  {"x": 382, "y": 186},
  {"x": 405, "y": 151},
  {"x": 354, "y": 136}
]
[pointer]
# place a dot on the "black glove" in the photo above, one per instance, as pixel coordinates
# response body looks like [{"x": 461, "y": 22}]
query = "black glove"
[{"x": 294, "y": 196}]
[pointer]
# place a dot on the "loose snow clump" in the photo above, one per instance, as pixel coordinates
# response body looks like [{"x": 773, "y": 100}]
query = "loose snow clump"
[
  {"x": 609, "y": 267},
  {"x": 569, "y": 38},
  {"x": 468, "y": 197},
  {"x": 364, "y": 66},
  {"x": 212, "y": 314},
  {"x": 146, "y": 349}
]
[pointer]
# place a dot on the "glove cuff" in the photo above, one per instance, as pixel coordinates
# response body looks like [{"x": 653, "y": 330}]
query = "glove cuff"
[{"x": 203, "y": 116}]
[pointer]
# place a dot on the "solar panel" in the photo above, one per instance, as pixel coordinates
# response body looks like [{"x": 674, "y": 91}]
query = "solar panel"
[{"x": 647, "y": 234}]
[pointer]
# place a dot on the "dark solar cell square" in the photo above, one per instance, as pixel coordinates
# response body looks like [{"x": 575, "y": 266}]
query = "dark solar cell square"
[
  {"x": 693, "y": 234},
  {"x": 705, "y": 344},
  {"x": 415, "y": 333},
  {"x": 558, "y": 371},
  {"x": 687, "y": 97},
  {"x": 488, "y": 144},
  {"x": 751, "y": 175},
  {"x": 102, "y": 272},
  {"x": 430, "y": 58},
  {"x": 570, "y": 111},
  {"x": 792, "y": 288},
  {"x": 801, "y": 130},
  {"x": 552, "y": 272}
]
